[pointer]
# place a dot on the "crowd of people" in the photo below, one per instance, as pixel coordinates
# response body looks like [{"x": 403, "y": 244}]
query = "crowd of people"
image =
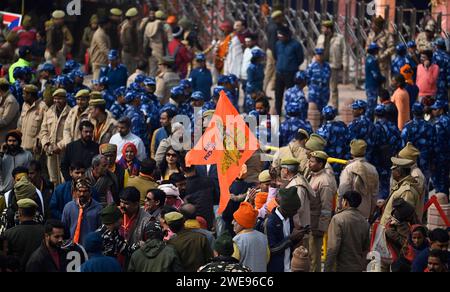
[{"x": 99, "y": 169}]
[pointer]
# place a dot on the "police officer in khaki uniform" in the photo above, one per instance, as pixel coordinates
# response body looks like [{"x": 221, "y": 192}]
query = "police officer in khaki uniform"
[
  {"x": 129, "y": 39},
  {"x": 324, "y": 185},
  {"x": 385, "y": 41},
  {"x": 405, "y": 187},
  {"x": 295, "y": 149},
  {"x": 59, "y": 40},
  {"x": 77, "y": 114},
  {"x": 9, "y": 109},
  {"x": 362, "y": 177},
  {"x": 31, "y": 118},
  {"x": 412, "y": 153},
  {"x": 166, "y": 80},
  {"x": 52, "y": 134}
]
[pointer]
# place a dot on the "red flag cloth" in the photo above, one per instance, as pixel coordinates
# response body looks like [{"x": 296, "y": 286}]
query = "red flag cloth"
[{"x": 227, "y": 142}]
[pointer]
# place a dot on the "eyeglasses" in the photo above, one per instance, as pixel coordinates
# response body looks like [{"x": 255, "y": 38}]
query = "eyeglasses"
[{"x": 171, "y": 155}]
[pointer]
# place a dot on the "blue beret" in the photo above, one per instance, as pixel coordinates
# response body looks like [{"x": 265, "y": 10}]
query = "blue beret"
[
  {"x": 103, "y": 80},
  {"x": 233, "y": 78},
  {"x": 78, "y": 73},
  {"x": 411, "y": 44},
  {"x": 186, "y": 83},
  {"x": 223, "y": 79},
  {"x": 95, "y": 82},
  {"x": 176, "y": 91},
  {"x": 169, "y": 107},
  {"x": 300, "y": 76},
  {"x": 217, "y": 91},
  {"x": 439, "y": 104},
  {"x": 149, "y": 81},
  {"x": 134, "y": 87},
  {"x": 130, "y": 96},
  {"x": 292, "y": 108},
  {"x": 258, "y": 53},
  {"x": 329, "y": 113},
  {"x": 113, "y": 55},
  {"x": 47, "y": 67},
  {"x": 198, "y": 95},
  {"x": 63, "y": 80},
  {"x": 319, "y": 51},
  {"x": 373, "y": 46},
  {"x": 380, "y": 110},
  {"x": 200, "y": 57},
  {"x": 71, "y": 65},
  {"x": 359, "y": 104},
  {"x": 120, "y": 91},
  {"x": 140, "y": 78},
  {"x": 418, "y": 108},
  {"x": 400, "y": 48}
]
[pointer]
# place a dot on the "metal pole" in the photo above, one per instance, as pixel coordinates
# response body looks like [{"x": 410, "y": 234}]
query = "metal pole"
[
  {"x": 324, "y": 11},
  {"x": 413, "y": 23},
  {"x": 347, "y": 12}
]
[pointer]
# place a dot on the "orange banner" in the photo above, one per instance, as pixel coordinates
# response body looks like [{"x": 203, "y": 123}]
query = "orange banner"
[{"x": 227, "y": 142}]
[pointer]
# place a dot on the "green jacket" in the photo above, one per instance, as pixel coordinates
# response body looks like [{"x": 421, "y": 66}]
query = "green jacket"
[
  {"x": 155, "y": 256},
  {"x": 20, "y": 63},
  {"x": 193, "y": 249}
]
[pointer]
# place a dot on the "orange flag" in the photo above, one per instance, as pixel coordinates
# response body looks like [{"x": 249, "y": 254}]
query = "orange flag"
[{"x": 227, "y": 142}]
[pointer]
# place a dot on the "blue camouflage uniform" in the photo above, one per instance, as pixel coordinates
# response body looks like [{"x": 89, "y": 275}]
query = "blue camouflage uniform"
[
  {"x": 440, "y": 176},
  {"x": 374, "y": 79},
  {"x": 202, "y": 78},
  {"x": 63, "y": 81},
  {"x": 337, "y": 136},
  {"x": 231, "y": 94},
  {"x": 386, "y": 136},
  {"x": 17, "y": 91},
  {"x": 117, "y": 109},
  {"x": 255, "y": 80},
  {"x": 421, "y": 134},
  {"x": 211, "y": 105},
  {"x": 442, "y": 59},
  {"x": 292, "y": 124},
  {"x": 106, "y": 93},
  {"x": 362, "y": 128},
  {"x": 138, "y": 125},
  {"x": 296, "y": 95},
  {"x": 319, "y": 83},
  {"x": 70, "y": 66},
  {"x": 400, "y": 60},
  {"x": 183, "y": 108}
]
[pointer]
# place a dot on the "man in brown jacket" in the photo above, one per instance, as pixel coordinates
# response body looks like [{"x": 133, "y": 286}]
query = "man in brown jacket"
[
  {"x": 77, "y": 114},
  {"x": 295, "y": 149},
  {"x": 129, "y": 40},
  {"x": 155, "y": 41},
  {"x": 105, "y": 124},
  {"x": 52, "y": 132},
  {"x": 59, "y": 40},
  {"x": 362, "y": 177},
  {"x": 9, "y": 109},
  {"x": 348, "y": 237},
  {"x": 405, "y": 187},
  {"x": 324, "y": 185},
  {"x": 100, "y": 47},
  {"x": 31, "y": 118}
]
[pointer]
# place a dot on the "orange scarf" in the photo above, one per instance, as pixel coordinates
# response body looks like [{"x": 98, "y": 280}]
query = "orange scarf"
[{"x": 76, "y": 237}]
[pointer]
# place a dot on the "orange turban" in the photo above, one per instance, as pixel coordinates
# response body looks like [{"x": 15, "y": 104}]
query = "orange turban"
[
  {"x": 261, "y": 199},
  {"x": 246, "y": 215},
  {"x": 408, "y": 73},
  {"x": 172, "y": 19}
]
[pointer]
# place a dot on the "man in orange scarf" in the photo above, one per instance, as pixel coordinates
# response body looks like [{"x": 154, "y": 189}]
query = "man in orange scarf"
[{"x": 224, "y": 45}]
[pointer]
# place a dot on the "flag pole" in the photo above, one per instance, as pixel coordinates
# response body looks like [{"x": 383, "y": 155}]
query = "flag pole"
[{"x": 23, "y": 7}]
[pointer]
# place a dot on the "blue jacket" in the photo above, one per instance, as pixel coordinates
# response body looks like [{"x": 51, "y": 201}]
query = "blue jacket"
[
  {"x": 117, "y": 77},
  {"x": 289, "y": 56},
  {"x": 275, "y": 236},
  {"x": 255, "y": 78},
  {"x": 98, "y": 263},
  {"x": 61, "y": 196},
  {"x": 202, "y": 81},
  {"x": 373, "y": 73},
  {"x": 421, "y": 261},
  {"x": 421, "y": 134},
  {"x": 91, "y": 218}
]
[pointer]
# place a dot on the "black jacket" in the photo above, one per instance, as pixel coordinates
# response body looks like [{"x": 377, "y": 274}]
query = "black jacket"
[
  {"x": 201, "y": 193},
  {"x": 78, "y": 151},
  {"x": 23, "y": 240},
  {"x": 41, "y": 261}
]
